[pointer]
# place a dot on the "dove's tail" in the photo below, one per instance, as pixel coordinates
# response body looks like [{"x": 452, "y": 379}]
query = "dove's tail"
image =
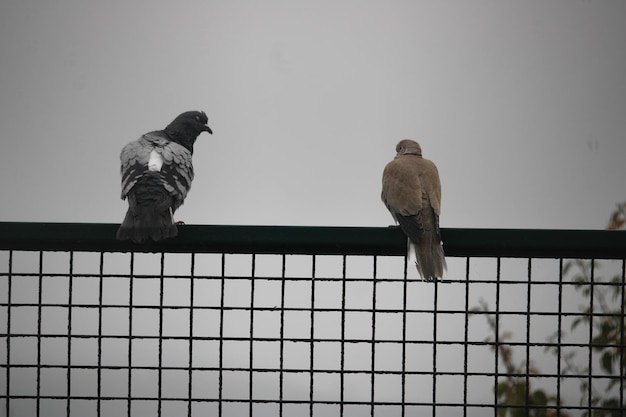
[
  {"x": 149, "y": 215},
  {"x": 430, "y": 258}
]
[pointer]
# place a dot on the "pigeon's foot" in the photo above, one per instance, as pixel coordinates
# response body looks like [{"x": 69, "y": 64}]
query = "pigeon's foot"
[{"x": 178, "y": 223}]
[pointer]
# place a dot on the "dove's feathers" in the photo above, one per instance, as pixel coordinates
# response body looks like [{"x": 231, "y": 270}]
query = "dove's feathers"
[{"x": 412, "y": 193}]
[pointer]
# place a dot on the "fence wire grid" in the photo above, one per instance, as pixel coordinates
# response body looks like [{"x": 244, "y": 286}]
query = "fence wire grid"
[{"x": 110, "y": 333}]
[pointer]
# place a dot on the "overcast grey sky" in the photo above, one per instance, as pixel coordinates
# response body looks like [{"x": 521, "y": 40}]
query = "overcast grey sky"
[{"x": 521, "y": 104}]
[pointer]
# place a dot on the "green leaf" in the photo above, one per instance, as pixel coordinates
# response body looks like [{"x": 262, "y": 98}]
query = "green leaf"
[
  {"x": 518, "y": 412},
  {"x": 612, "y": 383},
  {"x": 539, "y": 397},
  {"x": 566, "y": 267},
  {"x": 501, "y": 389},
  {"x": 599, "y": 338},
  {"x": 576, "y": 322},
  {"x": 607, "y": 362}
]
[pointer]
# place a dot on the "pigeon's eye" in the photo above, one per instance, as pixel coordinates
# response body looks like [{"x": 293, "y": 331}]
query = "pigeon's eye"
[{"x": 198, "y": 118}]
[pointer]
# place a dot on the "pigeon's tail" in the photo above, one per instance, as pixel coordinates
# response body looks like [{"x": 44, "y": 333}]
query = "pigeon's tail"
[
  {"x": 430, "y": 258},
  {"x": 149, "y": 215}
]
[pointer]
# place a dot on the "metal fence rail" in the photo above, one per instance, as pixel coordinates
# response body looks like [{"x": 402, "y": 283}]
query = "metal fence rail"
[{"x": 311, "y": 321}]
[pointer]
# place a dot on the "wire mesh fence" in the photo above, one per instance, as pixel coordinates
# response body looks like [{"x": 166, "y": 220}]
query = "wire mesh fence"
[{"x": 329, "y": 329}]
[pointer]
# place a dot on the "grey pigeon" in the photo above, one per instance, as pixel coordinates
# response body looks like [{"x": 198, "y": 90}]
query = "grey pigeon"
[
  {"x": 156, "y": 176},
  {"x": 412, "y": 193}
]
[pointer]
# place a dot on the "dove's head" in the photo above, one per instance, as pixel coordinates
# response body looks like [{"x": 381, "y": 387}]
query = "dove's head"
[{"x": 408, "y": 147}]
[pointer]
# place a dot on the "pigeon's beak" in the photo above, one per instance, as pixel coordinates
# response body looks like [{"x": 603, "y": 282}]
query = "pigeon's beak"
[{"x": 208, "y": 129}]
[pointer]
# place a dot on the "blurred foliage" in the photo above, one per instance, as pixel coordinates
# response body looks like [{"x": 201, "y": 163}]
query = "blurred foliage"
[
  {"x": 609, "y": 328},
  {"x": 516, "y": 398},
  {"x": 603, "y": 311},
  {"x": 618, "y": 218}
]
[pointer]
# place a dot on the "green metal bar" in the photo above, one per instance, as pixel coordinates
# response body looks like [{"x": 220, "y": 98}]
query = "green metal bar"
[
  {"x": 535, "y": 243},
  {"x": 600, "y": 244}
]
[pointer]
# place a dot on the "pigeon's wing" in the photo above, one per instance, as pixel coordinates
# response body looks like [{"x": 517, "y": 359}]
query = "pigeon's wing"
[
  {"x": 134, "y": 160},
  {"x": 153, "y": 152},
  {"x": 177, "y": 171}
]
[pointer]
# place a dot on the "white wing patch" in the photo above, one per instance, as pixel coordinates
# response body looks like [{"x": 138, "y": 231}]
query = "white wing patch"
[{"x": 155, "y": 162}]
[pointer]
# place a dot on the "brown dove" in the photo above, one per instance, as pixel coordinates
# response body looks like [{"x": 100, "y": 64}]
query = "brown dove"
[{"x": 412, "y": 193}]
